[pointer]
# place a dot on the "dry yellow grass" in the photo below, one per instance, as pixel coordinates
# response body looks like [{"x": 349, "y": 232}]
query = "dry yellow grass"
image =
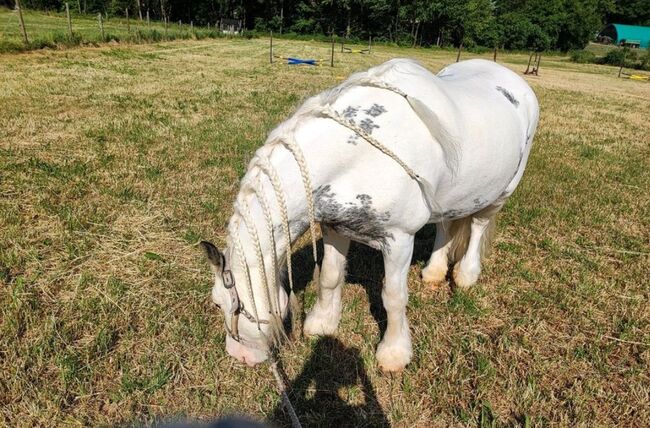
[{"x": 114, "y": 161}]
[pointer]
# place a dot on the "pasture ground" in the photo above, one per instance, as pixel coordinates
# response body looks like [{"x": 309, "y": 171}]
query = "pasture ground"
[
  {"x": 115, "y": 161},
  {"x": 51, "y": 30}
]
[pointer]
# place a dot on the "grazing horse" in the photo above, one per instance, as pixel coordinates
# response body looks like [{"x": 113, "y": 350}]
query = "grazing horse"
[{"x": 373, "y": 160}]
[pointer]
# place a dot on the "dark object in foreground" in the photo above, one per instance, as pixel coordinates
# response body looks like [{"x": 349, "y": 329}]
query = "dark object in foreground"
[{"x": 227, "y": 422}]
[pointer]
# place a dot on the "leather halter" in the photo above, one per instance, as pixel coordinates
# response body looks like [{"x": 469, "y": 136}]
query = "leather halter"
[{"x": 237, "y": 308}]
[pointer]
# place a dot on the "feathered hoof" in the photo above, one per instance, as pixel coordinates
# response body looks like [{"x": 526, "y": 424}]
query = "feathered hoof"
[
  {"x": 434, "y": 277},
  {"x": 320, "y": 325},
  {"x": 463, "y": 278},
  {"x": 392, "y": 359}
]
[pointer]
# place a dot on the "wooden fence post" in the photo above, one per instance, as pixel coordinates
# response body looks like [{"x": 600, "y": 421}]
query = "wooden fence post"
[
  {"x": 101, "y": 25},
  {"x": 495, "y": 54},
  {"x": 271, "y": 48},
  {"x": 370, "y": 44},
  {"x": 166, "y": 23},
  {"x": 22, "y": 22},
  {"x": 530, "y": 58},
  {"x": 460, "y": 48},
  {"x": 67, "y": 14},
  {"x": 332, "y": 58},
  {"x": 620, "y": 70}
]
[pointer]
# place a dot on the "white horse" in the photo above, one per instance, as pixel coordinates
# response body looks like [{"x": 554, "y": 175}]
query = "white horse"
[{"x": 381, "y": 155}]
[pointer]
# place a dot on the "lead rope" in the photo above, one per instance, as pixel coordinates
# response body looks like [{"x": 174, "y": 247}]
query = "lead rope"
[{"x": 295, "y": 422}]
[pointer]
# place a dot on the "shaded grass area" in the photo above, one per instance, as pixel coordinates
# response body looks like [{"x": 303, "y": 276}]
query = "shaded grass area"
[{"x": 115, "y": 161}]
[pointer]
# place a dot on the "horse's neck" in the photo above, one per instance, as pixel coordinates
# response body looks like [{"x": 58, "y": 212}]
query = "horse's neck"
[{"x": 273, "y": 245}]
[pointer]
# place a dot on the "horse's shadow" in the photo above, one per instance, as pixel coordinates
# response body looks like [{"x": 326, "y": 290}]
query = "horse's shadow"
[{"x": 333, "y": 388}]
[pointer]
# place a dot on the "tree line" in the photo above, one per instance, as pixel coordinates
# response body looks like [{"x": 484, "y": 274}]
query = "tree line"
[{"x": 510, "y": 24}]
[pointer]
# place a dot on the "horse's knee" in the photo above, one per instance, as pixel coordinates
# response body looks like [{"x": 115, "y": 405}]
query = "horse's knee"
[{"x": 332, "y": 274}]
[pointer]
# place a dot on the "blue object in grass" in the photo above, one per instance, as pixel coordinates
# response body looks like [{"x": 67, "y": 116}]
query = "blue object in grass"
[{"x": 298, "y": 61}]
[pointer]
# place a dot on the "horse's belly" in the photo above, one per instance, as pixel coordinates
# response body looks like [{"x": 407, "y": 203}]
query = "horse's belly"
[{"x": 487, "y": 165}]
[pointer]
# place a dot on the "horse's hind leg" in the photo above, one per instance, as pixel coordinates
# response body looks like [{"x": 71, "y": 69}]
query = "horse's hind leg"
[
  {"x": 394, "y": 351},
  {"x": 324, "y": 317},
  {"x": 467, "y": 271},
  {"x": 435, "y": 272}
]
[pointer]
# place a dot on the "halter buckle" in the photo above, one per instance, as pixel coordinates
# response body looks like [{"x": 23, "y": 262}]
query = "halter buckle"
[{"x": 228, "y": 280}]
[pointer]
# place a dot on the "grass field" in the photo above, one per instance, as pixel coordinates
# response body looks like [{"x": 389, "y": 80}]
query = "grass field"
[
  {"x": 115, "y": 161},
  {"x": 51, "y": 30}
]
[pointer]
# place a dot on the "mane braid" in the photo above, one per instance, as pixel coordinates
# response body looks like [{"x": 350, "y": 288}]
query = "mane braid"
[
  {"x": 306, "y": 180},
  {"x": 264, "y": 203},
  {"x": 244, "y": 266},
  {"x": 268, "y": 169},
  {"x": 252, "y": 232}
]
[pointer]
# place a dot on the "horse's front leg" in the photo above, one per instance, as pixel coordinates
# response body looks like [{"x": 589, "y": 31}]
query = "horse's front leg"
[
  {"x": 394, "y": 352},
  {"x": 324, "y": 317}
]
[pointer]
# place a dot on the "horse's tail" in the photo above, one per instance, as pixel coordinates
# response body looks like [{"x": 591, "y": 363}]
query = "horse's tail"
[{"x": 460, "y": 231}]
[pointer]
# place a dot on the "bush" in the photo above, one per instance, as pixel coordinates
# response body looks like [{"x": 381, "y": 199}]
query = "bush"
[
  {"x": 64, "y": 39},
  {"x": 614, "y": 57},
  {"x": 645, "y": 60},
  {"x": 583, "y": 57},
  {"x": 150, "y": 35},
  {"x": 11, "y": 46}
]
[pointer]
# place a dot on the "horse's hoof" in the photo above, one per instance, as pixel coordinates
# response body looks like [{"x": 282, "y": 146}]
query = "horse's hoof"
[
  {"x": 392, "y": 359},
  {"x": 317, "y": 325},
  {"x": 434, "y": 276},
  {"x": 464, "y": 279}
]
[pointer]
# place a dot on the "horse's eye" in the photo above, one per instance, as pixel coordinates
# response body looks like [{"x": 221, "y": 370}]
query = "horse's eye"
[{"x": 217, "y": 305}]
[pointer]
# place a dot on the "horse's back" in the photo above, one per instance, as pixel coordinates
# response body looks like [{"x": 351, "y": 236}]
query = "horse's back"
[{"x": 489, "y": 82}]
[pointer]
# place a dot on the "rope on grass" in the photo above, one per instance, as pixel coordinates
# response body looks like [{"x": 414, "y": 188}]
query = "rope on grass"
[{"x": 295, "y": 422}]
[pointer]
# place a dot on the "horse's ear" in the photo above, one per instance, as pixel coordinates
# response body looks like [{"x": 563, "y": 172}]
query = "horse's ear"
[{"x": 214, "y": 256}]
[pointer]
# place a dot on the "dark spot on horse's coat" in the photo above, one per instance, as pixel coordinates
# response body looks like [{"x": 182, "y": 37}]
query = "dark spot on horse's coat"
[
  {"x": 350, "y": 112},
  {"x": 375, "y": 110},
  {"x": 479, "y": 203},
  {"x": 506, "y": 93},
  {"x": 353, "y": 139},
  {"x": 358, "y": 221},
  {"x": 367, "y": 125},
  {"x": 455, "y": 214}
]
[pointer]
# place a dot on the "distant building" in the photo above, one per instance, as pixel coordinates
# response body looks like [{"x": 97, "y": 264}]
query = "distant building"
[
  {"x": 634, "y": 36},
  {"x": 230, "y": 26}
]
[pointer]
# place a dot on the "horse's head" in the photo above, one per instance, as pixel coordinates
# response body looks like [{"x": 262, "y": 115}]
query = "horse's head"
[{"x": 247, "y": 340}]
